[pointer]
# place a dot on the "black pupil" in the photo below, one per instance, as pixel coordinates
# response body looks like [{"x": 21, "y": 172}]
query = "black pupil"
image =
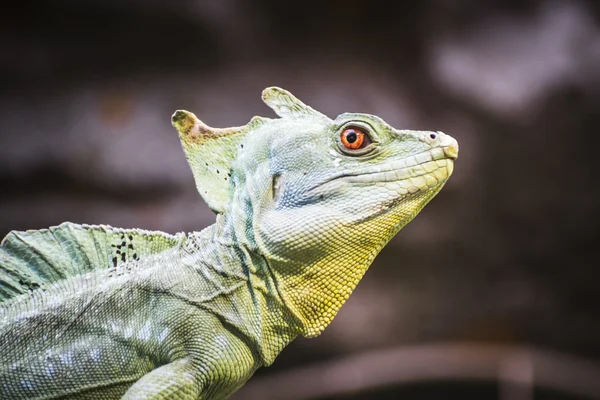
[{"x": 351, "y": 137}]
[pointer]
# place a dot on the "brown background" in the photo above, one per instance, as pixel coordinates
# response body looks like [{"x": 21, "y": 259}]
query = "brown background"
[{"x": 506, "y": 254}]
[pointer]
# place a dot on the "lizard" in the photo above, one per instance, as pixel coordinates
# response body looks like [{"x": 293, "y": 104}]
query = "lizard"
[{"x": 303, "y": 205}]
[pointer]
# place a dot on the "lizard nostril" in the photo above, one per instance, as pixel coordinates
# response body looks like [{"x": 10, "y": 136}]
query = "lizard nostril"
[{"x": 432, "y": 135}]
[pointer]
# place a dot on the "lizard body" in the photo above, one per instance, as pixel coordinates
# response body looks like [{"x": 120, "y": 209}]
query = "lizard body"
[{"x": 304, "y": 204}]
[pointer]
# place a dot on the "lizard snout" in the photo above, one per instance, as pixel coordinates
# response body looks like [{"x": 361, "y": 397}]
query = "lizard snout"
[{"x": 451, "y": 148}]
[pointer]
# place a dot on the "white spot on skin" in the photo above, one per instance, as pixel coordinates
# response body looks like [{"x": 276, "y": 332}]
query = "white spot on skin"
[
  {"x": 128, "y": 332},
  {"x": 221, "y": 341},
  {"x": 49, "y": 370},
  {"x": 163, "y": 335},
  {"x": 144, "y": 333},
  {"x": 66, "y": 358},
  {"x": 114, "y": 326},
  {"x": 95, "y": 354},
  {"x": 27, "y": 384}
]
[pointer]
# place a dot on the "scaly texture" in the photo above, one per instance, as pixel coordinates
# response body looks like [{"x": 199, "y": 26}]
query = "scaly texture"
[{"x": 304, "y": 204}]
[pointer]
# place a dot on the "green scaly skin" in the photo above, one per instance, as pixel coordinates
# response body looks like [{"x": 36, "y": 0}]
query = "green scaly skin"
[{"x": 98, "y": 312}]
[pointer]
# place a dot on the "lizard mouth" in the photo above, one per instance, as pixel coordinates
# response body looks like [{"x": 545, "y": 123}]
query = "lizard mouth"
[{"x": 411, "y": 174}]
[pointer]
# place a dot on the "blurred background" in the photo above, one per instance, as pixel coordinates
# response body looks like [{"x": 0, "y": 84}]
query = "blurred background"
[{"x": 491, "y": 293}]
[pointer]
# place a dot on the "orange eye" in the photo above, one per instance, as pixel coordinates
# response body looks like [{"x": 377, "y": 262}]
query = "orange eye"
[{"x": 354, "y": 138}]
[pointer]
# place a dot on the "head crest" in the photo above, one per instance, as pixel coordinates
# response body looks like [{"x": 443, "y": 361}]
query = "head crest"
[
  {"x": 286, "y": 105},
  {"x": 211, "y": 151}
]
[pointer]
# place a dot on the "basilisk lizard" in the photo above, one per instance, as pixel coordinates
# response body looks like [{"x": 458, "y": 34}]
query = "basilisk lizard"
[{"x": 304, "y": 203}]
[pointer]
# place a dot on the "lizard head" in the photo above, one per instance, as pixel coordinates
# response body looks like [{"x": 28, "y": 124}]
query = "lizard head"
[{"x": 318, "y": 198}]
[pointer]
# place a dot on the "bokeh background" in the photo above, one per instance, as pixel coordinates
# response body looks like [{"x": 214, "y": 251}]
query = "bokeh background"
[{"x": 491, "y": 293}]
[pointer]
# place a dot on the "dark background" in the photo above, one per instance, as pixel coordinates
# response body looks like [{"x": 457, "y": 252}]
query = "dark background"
[{"x": 506, "y": 255}]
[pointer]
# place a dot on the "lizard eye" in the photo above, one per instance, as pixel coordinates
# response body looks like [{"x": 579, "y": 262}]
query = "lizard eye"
[{"x": 354, "y": 138}]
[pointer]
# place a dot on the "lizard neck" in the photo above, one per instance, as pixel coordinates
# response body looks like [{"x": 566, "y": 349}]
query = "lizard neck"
[
  {"x": 243, "y": 276},
  {"x": 312, "y": 257},
  {"x": 316, "y": 271}
]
